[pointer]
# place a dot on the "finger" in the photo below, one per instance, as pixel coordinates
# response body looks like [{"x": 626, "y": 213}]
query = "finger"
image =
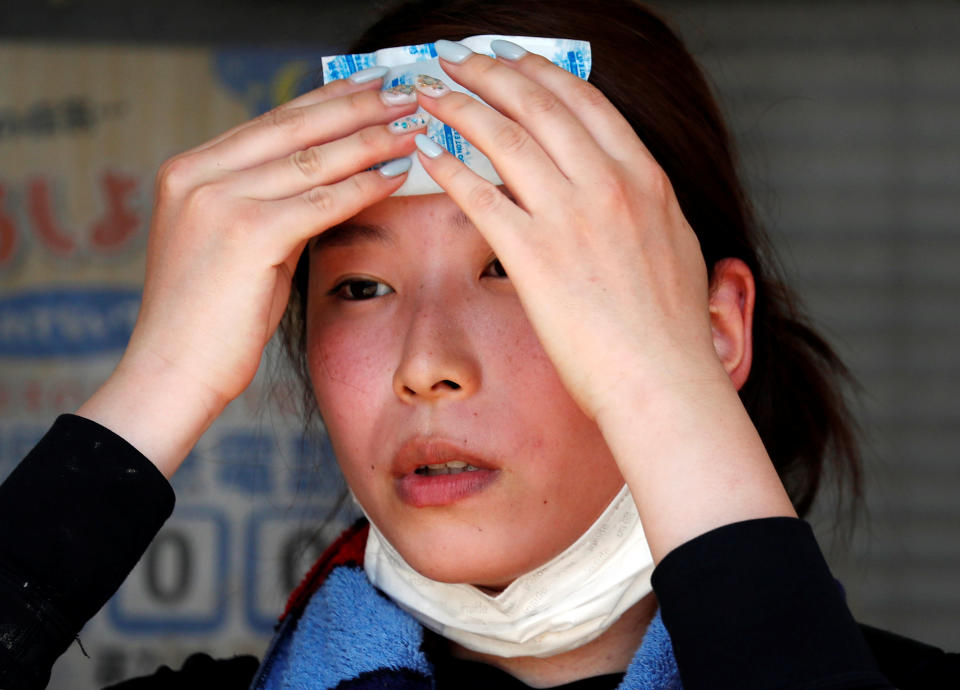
[
  {"x": 284, "y": 131},
  {"x": 541, "y": 112},
  {"x": 607, "y": 126},
  {"x": 334, "y": 89},
  {"x": 370, "y": 78},
  {"x": 300, "y": 217},
  {"x": 485, "y": 204},
  {"x": 330, "y": 162},
  {"x": 281, "y": 132},
  {"x": 517, "y": 157}
]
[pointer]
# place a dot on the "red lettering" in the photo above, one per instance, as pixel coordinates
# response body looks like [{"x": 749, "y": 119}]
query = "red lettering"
[
  {"x": 33, "y": 396},
  {"x": 41, "y": 214},
  {"x": 9, "y": 239},
  {"x": 119, "y": 222}
]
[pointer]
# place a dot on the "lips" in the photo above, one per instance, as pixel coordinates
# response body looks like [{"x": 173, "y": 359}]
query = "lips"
[
  {"x": 420, "y": 453},
  {"x": 436, "y": 472}
]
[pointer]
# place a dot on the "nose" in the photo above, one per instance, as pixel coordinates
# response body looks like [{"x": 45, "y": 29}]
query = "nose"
[{"x": 439, "y": 361}]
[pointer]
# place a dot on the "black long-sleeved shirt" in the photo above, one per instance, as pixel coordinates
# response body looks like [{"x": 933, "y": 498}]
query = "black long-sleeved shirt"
[{"x": 749, "y": 605}]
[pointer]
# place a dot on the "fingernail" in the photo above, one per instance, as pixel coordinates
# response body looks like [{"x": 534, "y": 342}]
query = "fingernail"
[
  {"x": 452, "y": 52},
  {"x": 369, "y": 74},
  {"x": 428, "y": 147},
  {"x": 401, "y": 94},
  {"x": 431, "y": 86},
  {"x": 408, "y": 124},
  {"x": 507, "y": 49},
  {"x": 397, "y": 166}
]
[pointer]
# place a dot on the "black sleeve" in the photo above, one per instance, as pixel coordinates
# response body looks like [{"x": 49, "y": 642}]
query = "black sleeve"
[
  {"x": 199, "y": 672},
  {"x": 75, "y": 517},
  {"x": 912, "y": 665},
  {"x": 753, "y": 605}
]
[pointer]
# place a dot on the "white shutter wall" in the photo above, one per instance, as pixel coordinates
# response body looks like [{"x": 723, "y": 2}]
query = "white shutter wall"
[{"x": 848, "y": 119}]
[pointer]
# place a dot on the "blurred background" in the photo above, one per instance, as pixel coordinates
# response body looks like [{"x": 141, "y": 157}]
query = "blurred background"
[{"x": 848, "y": 119}]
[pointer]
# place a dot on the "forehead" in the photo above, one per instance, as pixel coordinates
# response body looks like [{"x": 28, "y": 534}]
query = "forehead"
[
  {"x": 432, "y": 208},
  {"x": 396, "y": 218}
]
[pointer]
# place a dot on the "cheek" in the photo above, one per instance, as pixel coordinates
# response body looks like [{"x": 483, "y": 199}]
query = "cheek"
[
  {"x": 527, "y": 376},
  {"x": 560, "y": 439},
  {"x": 347, "y": 364},
  {"x": 347, "y": 367},
  {"x": 566, "y": 448}
]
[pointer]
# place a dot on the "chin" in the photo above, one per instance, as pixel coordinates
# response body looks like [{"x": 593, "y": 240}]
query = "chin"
[
  {"x": 493, "y": 579},
  {"x": 483, "y": 565}
]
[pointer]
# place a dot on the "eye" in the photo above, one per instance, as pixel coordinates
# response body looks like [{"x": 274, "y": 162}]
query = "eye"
[
  {"x": 494, "y": 269},
  {"x": 355, "y": 289}
]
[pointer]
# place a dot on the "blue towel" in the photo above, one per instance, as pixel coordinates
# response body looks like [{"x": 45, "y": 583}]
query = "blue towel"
[{"x": 351, "y": 634}]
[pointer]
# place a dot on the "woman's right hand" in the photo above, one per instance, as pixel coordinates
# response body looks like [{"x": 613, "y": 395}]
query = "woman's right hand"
[{"x": 230, "y": 220}]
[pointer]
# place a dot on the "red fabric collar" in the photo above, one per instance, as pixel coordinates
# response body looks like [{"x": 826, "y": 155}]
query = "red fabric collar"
[{"x": 348, "y": 549}]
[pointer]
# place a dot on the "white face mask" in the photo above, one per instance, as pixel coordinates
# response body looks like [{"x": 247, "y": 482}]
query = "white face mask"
[{"x": 560, "y": 606}]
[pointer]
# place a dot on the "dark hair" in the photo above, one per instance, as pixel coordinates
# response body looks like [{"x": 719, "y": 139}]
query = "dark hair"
[{"x": 795, "y": 390}]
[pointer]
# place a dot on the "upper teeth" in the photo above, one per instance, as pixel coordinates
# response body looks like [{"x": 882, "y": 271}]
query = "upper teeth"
[{"x": 452, "y": 467}]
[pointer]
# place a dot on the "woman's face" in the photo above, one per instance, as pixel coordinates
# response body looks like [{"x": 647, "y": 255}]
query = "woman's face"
[{"x": 421, "y": 354}]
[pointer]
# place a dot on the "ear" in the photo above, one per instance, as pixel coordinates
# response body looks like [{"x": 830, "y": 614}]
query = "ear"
[{"x": 732, "y": 295}]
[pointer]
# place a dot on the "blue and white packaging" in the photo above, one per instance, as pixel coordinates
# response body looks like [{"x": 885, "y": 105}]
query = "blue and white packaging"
[{"x": 407, "y": 62}]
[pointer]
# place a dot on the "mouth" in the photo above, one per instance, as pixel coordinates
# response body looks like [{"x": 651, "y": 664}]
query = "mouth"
[
  {"x": 436, "y": 472},
  {"x": 428, "y": 457}
]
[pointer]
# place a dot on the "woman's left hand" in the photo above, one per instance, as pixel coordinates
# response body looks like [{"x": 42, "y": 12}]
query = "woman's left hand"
[
  {"x": 614, "y": 283},
  {"x": 607, "y": 267}
]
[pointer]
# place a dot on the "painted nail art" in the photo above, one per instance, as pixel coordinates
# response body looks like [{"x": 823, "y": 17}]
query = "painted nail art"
[
  {"x": 369, "y": 74},
  {"x": 400, "y": 94},
  {"x": 452, "y": 52},
  {"x": 431, "y": 86},
  {"x": 408, "y": 124},
  {"x": 428, "y": 146},
  {"x": 507, "y": 50},
  {"x": 397, "y": 166}
]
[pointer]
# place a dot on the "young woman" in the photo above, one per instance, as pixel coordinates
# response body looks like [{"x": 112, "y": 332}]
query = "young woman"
[{"x": 513, "y": 378}]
